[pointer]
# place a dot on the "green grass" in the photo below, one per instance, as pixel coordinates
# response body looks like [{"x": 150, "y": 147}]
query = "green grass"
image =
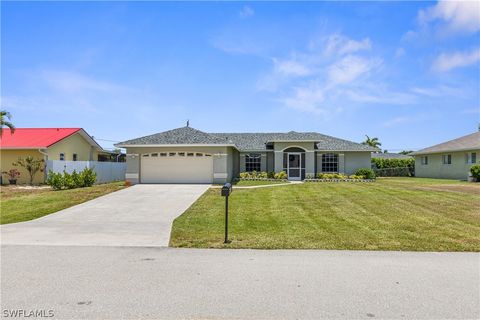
[
  {"x": 391, "y": 214},
  {"x": 244, "y": 183},
  {"x": 26, "y": 204}
]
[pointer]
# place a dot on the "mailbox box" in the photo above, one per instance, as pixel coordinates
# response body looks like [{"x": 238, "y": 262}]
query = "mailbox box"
[{"x": 226, "y": 189}]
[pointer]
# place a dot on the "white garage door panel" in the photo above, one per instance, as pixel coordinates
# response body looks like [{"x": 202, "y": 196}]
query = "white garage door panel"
[{"x": 177, "y": 169}]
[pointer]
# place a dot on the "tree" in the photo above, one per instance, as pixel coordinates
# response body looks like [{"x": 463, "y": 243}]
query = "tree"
[
  {"x": 405, "y": 152},
  {"x": 32, "y": 165},
  {"x": 372, "y": 142},
  {"x": 5, "y": 116}
]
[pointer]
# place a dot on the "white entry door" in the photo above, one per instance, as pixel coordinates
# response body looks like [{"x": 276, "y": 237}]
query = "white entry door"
[{"x": 176, "y": 167}]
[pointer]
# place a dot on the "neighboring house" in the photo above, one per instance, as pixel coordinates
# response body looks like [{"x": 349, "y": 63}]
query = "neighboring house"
[
  {"x": 187, "y": 155},
  {"x": 452, "y": 159},
  {"x": 390, "y": 156},
  {"x": 72, "y": 144}
]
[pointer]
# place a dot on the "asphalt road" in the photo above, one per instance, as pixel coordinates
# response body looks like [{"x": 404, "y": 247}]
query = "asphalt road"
[{"x": 164, "y": 283}]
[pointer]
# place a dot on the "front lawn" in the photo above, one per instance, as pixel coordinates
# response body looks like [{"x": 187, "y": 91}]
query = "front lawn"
[
  {"x": 19, "y": 204},
  {"x": 246, "y": 183},
  {"x": 390, "y": 214}
]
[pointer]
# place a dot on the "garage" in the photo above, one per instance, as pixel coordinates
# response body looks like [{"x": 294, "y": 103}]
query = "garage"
[{"x": 176, "y": 167}]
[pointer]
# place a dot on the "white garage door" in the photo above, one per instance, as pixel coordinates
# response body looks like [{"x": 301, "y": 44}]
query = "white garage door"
[{"x": 176, "y": 167}]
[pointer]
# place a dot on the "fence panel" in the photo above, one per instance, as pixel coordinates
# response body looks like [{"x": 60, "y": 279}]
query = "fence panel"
[{"x": 106, "y": 171}]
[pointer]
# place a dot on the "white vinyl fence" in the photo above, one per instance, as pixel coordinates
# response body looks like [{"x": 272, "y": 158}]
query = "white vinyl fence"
[{"x": 106, "y": 171}]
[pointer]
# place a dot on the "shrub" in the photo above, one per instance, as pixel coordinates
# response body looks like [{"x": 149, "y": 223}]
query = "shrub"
[
  {"x": 475, "y": 171},
  {"x": 263, "y": 175},
  {"x": 282, "y": 175},
  {"x": 59, "y": 181},
  {"x": 320, "y": 175},
  {"x": 309, "y": 176},
  {"x": 12, "y": 174},
  {"x": 271, "y": 175},
  {"x": 355, "y": 177},
  {"x": 55, "y": 180},
  {"x": 244, "y": 175},
  {"x": 366, "y": 173},
  {"x": 328, "y": 176},
  {"x": 89, "y": 177}
]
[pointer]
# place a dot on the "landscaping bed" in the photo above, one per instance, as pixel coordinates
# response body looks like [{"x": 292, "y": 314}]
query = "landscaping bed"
[{"x": 411, "y": 214}]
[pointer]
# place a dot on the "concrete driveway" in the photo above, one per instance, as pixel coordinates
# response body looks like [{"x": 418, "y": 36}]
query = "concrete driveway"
[{"x": 141, "y": 215}]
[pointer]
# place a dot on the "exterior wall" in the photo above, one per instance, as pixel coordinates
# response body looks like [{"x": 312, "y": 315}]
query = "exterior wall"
[
  {"x": 459, "y": 169},
  {"x": 270, "y": 162},
  {"x": 348, "y": 162},
  {"x": 223, "y": 163},
  {"x": 7, "y": 157},
  {"x": 70, "y": 145}
]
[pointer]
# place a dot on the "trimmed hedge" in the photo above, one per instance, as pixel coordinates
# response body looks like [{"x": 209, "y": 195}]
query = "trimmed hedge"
[{"x": 59, "y": 181}]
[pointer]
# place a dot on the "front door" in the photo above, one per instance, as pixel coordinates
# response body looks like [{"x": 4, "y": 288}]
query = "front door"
[{"x": 294, "y": 166}]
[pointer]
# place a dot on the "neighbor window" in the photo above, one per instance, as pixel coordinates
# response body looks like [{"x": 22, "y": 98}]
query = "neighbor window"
[
  {"x": 62, "y": 157},
  {"x": 163, "y": 154},
  {"x": 199, "y": 154},
  {"x": 172, "y": 154},
  {"x": 181, "y": 154},
  {"x": 424, "y": 160},
  {"x": 253, "y": 162},
  {"x": 471, "y": 157},
  {"x": 447, "y": 159},
  {"x": 74, "y": 157},
  {"x": 154, "y": 155},
  {"x": 190, "y": 154},
  {"x": 330, "y": 162}
]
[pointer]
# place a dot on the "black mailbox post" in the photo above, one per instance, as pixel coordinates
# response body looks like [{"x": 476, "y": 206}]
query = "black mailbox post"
[{"x": 226, "y": 191}]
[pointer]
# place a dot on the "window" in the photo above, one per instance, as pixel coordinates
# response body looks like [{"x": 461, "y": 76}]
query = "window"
[
  {"x": 199, "y": 154},
  {"x": 145, "y": 155},
  {"x": 207, "y": 155},
  {"x": 190, "y": 154},
  {"x": 62, "y": 157},
  {"x": 74, "y": 157},
  {"x": 330, "y": 162},
  {"x": 447, "y": 159},
  {"x": 471, "y": 157},
  {"x": 181, "y": 154},
  {"x": 253, "y": 162},
  {"x": 172, "y": 154},
  {"x": 163, "y": 154},
  {"x": 424, "y": 160}
]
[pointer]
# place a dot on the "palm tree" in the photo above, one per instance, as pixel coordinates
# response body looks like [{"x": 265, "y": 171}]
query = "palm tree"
[
  {"x": 4, "y": 115},
  {"x": 372, "y": 142}
]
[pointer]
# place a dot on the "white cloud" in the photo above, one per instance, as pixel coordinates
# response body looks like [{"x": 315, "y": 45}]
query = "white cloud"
[
  {"x": 400, "y": 52},
  {"x": 349, "y": 69},
  {"x": 446, "y": 62},
  {"x": 69, "y": 82},
  {"x": 439, "y": 91},
  {"x": 246, "y": 12},
  {"x": 291, "y": 67},
  {"x": 463, "y": 16},
  {"x": 338, "y": 44},
  {"x": 398, "y": 121}
]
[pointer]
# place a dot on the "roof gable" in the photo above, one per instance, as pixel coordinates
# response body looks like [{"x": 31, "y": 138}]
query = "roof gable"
[
  {"x": 34, "y": 137},
  {"x": 468, "y": 142}
]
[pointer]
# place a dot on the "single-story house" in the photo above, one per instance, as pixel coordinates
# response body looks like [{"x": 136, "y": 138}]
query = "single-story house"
[
  {"x": 73, "y": 144},
  {"x": 188, "y": 155},
  {"x": 450, "y": 160}
]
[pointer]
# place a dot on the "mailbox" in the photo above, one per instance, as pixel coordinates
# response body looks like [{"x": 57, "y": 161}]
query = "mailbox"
[{"x": 226, "y": 189}]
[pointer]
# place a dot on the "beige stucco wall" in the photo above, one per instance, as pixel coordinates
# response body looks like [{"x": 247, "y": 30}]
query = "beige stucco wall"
[
  {"x": 7, "y": 157},
  {"x": 435, "y": 168},
  {"x": 223, "y": 163},
  {"x": 348, "y": 162},
  {"x": 70, "y": 145}
]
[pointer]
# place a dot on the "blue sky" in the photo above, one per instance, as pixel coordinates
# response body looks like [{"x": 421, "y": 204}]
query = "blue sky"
[{"x": 408, "y": 73}]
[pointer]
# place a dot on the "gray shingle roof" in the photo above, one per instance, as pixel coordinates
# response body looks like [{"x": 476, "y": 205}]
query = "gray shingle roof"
[
  {"x": 247, "y": 141},
  {"x": 183, "y": 135},
  {"x": 468, "y": 142}
]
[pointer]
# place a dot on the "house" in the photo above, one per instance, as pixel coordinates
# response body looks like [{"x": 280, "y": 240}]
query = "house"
[
  {"x": 450, "y": 160},
  {"x": 73, "y": 144},
  {"x": 188, "y": 155}
]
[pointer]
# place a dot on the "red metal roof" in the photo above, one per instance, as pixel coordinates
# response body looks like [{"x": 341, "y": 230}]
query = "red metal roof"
[{"x": 34, "y": 137}]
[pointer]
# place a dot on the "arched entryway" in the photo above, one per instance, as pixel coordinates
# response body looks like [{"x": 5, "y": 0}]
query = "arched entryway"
[{"x": 294, "y": 163}]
